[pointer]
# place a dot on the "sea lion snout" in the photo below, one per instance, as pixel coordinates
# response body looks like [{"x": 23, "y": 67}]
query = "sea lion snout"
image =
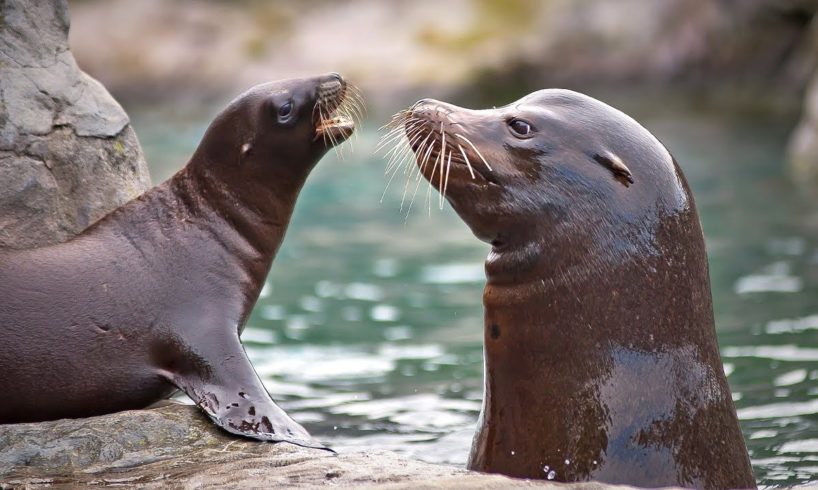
[
  {"x": 440, "y": 134},
  {"x": 330, "y": 91},
  {"x": 337, "y": 105}
]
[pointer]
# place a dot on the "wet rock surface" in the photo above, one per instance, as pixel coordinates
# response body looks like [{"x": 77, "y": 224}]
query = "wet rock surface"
[
  {"x": 174, "y": 446},
  {"x": 68, "y": 154}
]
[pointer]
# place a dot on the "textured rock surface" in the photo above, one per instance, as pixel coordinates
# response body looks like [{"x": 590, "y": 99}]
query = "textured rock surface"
[
  {"x": 67, "y": 152},
  {"x": 176, "y": 447}
]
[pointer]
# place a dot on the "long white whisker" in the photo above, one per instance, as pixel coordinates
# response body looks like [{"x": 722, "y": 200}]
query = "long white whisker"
[
  {"x": 411, "y": 139},
  {"x": 446, "y": 182},
  {"x": 422, "y": 145},
  {"x": 420, "y": 174},
  {"x": 468, "y": 164},
  {"x": 388, "y": 138},
  {"x": 409, "y": 132},
  {"x": 426, "y": 157},
  {"x": 443, "y": 151},
  {"x": 475, "y": 149},
  {"x": 403, "y": 148},
  {"x": 396, "y": 132},
  {"x": 410, "y": 169},
  {"x": 390, "y": 181},
  {"x": 438, "y": 159}
]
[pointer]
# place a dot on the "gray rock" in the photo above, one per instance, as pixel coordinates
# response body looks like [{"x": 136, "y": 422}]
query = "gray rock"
[
  {"x": 68, "y": 154},
  {"x": 174, "y": 446}
]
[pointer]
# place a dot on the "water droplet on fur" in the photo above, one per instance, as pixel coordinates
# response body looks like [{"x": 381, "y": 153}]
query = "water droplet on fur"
[
  {"x": 551, "y": 475},
  {"x": 567, "y": 461},
  {"x": 512, "y": 453},
  {"x": 546, "y": 468}
]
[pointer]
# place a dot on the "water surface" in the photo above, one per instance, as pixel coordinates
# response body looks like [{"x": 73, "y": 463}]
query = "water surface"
[{"x": 369, "y": 330}]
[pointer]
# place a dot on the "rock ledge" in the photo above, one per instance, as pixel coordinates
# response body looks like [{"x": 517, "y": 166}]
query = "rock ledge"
[{"x": 174, "y": 446}]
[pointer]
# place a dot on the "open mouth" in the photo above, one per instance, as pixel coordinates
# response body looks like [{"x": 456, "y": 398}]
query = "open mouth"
[{"x": 339, "y": 105}]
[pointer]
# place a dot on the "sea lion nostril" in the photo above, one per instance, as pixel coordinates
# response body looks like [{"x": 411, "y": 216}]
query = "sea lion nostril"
[{"x": 329, "y": 89}]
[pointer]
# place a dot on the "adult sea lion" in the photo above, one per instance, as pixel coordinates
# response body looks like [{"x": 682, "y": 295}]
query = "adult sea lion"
[
  {"x": 601, "y": 361},
  {"x": 152, "y": 297}
]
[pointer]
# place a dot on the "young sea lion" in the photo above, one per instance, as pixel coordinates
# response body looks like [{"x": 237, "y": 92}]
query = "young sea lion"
[
  {"x": 601, "y": 361},
  {"x": 152, "y": 298}
]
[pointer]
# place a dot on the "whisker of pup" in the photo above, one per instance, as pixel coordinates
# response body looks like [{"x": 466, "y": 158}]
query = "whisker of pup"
[
  {"x": 331, "y": 137},
  {"x": 357, "y": 97},
  {"x": 349, "y": 109}
]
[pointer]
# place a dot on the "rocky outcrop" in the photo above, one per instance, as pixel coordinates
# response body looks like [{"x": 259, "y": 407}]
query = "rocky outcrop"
[
  {"x": 174, "y": 446},
  {"x": 68, "y": 154}
]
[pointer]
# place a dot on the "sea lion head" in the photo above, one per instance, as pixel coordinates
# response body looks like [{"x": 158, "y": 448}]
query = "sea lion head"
[
  {"x": 553, "y": 161},
  {"x": 279, "y": 129}
]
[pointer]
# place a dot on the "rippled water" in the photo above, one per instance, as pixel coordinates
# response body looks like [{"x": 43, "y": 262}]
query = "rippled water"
[{"x": 369, "y": 330}]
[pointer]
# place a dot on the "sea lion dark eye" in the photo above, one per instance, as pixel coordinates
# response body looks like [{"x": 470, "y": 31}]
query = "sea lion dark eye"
[
  {"x": 520, "y": 127},
  {"x": 285, "y": 110}
]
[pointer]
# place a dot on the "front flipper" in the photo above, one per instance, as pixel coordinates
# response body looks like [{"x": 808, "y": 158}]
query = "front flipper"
[{"x": 221, "y": 381}]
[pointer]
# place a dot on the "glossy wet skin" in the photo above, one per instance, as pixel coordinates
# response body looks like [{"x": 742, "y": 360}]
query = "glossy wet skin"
[
  {"x": 600, "y": 348},
  {"x": 152, "y": 298}
]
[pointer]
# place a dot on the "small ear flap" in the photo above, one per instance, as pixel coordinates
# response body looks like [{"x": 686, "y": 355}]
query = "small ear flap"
[{"x": 615, "y": 165}]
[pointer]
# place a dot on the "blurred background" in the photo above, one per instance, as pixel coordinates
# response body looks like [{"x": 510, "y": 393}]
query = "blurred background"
[{"x": 369, "y": 330}]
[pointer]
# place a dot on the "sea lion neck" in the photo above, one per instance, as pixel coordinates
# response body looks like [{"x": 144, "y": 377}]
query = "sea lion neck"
[
  {"x": 558, "y": 255},
  {"x": 258, "y": 214}
]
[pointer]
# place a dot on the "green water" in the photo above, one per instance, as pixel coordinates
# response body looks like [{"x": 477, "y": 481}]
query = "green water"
[{"x": 370, "y": 328}]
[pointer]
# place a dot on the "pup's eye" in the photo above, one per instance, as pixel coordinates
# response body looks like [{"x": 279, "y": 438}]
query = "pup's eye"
[
  {"x": 520, "y": 127},
  {"x": 285, "y": 110}
]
